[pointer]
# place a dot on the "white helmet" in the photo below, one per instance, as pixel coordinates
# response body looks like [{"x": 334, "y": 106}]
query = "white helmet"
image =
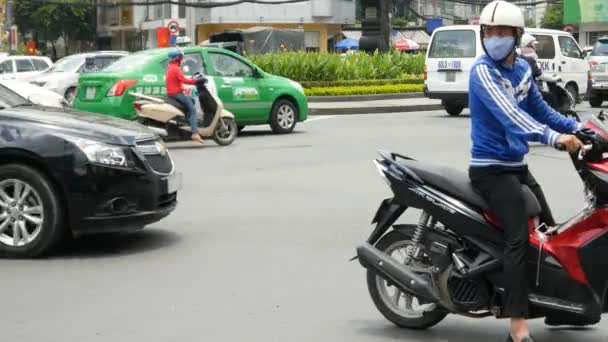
[
  {"x": 528, "y": 40},
  {"x": 502, "y": 13}
]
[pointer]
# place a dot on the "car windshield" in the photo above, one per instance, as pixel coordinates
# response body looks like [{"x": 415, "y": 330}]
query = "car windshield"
[
  {"x": 131, "y": 62},
  {"x": 9, "y": 98},
  {"x": 68, "y": 64},
  {"x": 453, "y": 44},
  {"x": 600, "y": 48}
]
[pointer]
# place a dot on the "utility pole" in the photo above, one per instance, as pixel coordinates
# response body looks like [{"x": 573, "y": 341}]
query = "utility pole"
[{"x": 9, "y": 24}]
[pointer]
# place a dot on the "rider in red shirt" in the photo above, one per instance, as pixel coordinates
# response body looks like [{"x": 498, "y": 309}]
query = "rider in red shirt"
[{"x": 174, "y": 83}]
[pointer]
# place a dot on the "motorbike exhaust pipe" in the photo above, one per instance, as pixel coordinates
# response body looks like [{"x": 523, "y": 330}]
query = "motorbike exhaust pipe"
[{"x": 390, "y": 269}]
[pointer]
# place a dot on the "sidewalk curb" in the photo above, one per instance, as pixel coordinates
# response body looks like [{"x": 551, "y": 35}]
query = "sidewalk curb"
[
  {"x": 374, "y": 110},
  {"x": 372, "y": 97}
]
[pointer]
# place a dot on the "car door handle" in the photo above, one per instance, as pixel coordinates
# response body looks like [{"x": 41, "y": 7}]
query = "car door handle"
[{"x": 563, "y": 62}]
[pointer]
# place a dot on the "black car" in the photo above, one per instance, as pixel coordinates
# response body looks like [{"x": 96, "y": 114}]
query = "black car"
[{"x": 67, "y": 172}]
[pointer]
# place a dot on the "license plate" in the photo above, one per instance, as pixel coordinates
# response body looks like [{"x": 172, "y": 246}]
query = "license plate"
[
  {"x": 450, "y": 76},
  {"x": 174, "y": 182},
  {"x": 91, "y": 92},
  {"x": 449, "y": 65}
]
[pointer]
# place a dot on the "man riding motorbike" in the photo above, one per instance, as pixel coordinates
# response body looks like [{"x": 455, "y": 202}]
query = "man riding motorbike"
[
  {"x": 507, "y": 111},
  {"x": 174, "y": 83}
]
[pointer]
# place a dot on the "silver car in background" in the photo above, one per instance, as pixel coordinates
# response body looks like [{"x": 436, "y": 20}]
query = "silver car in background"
[
  {"x": 63, "y": 77},
  {"x": 598, "y": 74}
]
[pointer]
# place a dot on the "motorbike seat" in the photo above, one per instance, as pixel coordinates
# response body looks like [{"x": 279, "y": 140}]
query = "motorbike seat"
[
  {"x": 176, "y": 104},
  {"x": 457, "y": 184}
]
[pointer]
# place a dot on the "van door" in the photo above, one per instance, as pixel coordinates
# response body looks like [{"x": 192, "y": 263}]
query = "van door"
[
  {"x": 449, "y": 60},
  {"x": 546, "y": 53},
  {"x": 572, "y": 65}
]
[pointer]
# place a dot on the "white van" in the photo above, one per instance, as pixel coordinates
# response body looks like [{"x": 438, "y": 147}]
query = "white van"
[{"x": 453, "y": 50}]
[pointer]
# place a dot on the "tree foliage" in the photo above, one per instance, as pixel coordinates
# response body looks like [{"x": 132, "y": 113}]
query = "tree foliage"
[
  {"x": 50, "y": 22},
  {"x": 553, "y": 16}
]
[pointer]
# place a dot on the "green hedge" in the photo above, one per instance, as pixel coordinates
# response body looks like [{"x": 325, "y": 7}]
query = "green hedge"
[
  {"x": 411, "y": 79},
  {"x": 314, "y": 66},
  {"x": 364, "y": 90}
]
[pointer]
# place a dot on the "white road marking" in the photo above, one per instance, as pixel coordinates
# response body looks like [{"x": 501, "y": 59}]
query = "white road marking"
[{"x": 320, "y": 117}]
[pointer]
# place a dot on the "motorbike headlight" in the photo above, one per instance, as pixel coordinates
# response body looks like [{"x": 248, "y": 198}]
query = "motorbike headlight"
[
  {"x": 297, "y": 85},
  {"x": 100, "y": 153}
]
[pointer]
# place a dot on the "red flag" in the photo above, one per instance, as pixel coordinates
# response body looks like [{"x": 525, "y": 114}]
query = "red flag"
[
  {"x": 162, "y": 36},
  {"x": 31, "y": 47}
]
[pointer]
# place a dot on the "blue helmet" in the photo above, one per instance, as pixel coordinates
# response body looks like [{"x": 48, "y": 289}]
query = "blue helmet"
[{"x": 175, "y": 54}]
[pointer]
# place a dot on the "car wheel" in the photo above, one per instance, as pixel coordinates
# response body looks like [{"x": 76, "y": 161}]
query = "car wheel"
[
  {"x": 595, "y": 102},
  {"x": 284, "y": 117},
  {"x": 225, "y": 132},
  {"x": 454, "y": 109},
  {"x": 70, "y": 95},
  {"x": 31, "y": 213}
]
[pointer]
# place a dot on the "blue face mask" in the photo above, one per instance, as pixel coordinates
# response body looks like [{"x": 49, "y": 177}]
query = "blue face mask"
[{"x": 498, "y": 48}]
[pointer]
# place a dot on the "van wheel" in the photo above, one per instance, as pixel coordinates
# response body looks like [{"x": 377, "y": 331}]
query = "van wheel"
[
  {"x": 454, "y": 109},
  {"x": 571, "y": 88},
  {"x": 31, "y": 213},
  {"x": 595, "y": 102}
]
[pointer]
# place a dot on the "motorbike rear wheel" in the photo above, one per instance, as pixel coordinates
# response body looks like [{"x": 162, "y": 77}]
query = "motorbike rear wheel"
[
  {"x": 401, "y": 308},
  {"x": 225, "y": 132}
]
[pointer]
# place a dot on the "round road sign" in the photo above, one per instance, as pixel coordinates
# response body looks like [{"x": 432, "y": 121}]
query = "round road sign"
[{"x": 173, "y": 26}]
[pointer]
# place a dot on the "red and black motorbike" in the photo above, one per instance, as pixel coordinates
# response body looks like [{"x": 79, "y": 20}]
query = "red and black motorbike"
[{"x": 451, "y": 260}]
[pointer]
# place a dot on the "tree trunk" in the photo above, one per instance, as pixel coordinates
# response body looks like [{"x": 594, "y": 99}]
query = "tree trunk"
[
  {"x": 54, "y": 52},
  {"x": 385, "y": 25},
  {"x": 66, "y": 44}
]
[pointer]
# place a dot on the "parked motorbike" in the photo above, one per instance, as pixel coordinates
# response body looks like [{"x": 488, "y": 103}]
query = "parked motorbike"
[
  {"x": 451, "y": 260},
  {"x": 168, "y": 117},
  {"x": 557, "y": 96}
]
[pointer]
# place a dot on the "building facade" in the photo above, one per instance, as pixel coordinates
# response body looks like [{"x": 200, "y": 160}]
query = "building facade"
[
  {"x": 589, "y": 16},
  {"x": 133, "y": 27},
  {"x": 321, "y": 20}
]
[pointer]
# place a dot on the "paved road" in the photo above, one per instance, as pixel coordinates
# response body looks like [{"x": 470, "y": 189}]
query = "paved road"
[{"x": 258, "y": 249}]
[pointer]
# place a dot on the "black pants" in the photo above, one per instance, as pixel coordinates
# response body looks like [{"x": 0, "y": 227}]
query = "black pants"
[{"x": 501, "y": 188}]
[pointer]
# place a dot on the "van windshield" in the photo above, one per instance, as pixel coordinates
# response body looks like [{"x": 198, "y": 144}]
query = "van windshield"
[{"x": 453, "y": 44}]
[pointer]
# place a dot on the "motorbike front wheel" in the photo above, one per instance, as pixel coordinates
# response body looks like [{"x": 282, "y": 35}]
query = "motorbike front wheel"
[
  {"x": 403, "y": 309},
  {"x": 225, "y": 132}
]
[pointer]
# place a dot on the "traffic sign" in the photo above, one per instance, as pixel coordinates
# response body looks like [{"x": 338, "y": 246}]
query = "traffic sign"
[{"x": 173, "y": 27}]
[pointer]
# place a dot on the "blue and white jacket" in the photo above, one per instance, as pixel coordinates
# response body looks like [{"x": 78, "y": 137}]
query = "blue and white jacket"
[{"x": 508, "y": 111}]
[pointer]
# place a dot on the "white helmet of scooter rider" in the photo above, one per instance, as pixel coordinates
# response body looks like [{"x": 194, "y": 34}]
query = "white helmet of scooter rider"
[
  {"x": 505, "y": 15},
  {"x": 502, "y": 13},
  {"x": 528, "y": 40}
]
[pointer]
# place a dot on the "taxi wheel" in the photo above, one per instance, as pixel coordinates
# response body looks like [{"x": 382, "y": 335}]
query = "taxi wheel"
[
  {"x": 284, "y": 117},
  {"x": 31, "y": 213}
]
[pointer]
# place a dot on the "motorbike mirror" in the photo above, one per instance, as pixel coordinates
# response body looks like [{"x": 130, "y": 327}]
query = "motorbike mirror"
[{"x": 601, "y": 116}]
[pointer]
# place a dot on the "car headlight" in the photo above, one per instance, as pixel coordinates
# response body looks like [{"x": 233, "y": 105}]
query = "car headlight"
[
  {"x": 100, "y": 153},
  {"x": 297, "y": 85}
]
